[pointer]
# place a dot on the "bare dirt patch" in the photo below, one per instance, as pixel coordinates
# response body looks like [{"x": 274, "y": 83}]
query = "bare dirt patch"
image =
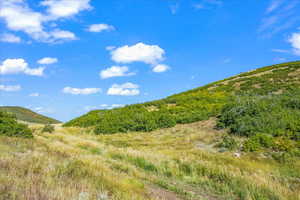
[{"x": 162, "y": 194}]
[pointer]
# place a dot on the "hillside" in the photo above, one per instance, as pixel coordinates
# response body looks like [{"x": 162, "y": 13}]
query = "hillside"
[
  {"x": 194, "y": 105},
  {"x": 27, "y": 115},
  {"x": 245, "y": 144}
]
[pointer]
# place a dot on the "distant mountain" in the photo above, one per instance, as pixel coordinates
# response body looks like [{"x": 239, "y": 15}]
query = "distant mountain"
[
  {"x": 194, "y": 105},
  {"x": 27, "y": 115}
]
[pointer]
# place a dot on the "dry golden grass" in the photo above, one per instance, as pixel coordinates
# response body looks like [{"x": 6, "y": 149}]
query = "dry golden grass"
[{"x": 175, "y": 163}]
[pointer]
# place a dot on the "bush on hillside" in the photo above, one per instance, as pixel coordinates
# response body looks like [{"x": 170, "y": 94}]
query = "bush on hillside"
[
  {"x": 132, "y": 119},
  {"x": 10, "y": 127},
  {"x": 277, "y": 116},
  {"x": 229, "y": 143},
  {"x": 258, "y": 142},
  {"x": 48, "y": 128},
  {"x": 249, "y": 115}
]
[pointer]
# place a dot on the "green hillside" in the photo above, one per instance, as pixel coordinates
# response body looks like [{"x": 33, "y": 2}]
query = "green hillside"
[
  {"x": 194, "y": 105},
  {"x": 27, "y": 115},
  {"x": 10, "y": 127}
]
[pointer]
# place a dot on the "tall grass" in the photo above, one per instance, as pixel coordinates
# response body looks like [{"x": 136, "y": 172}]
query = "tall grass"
[{"x": 69, "y": 164}]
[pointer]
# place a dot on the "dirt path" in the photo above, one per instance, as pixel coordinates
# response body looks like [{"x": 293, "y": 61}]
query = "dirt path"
[{"x": 162, "y": 194}]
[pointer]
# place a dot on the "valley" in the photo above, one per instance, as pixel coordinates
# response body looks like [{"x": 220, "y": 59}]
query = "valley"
[
  {"x": 233, "y": 139},
  {"x": 182, "y": 162}
]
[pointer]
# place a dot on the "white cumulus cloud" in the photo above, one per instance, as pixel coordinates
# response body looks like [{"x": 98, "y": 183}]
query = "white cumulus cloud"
[
  {"x": 10, "y": 38},
  {"x": 126, "y": 89},
  {"x": 10, "y": 88},
  {"x": 160, "y": 68},
  {"x": 18, "y": 16},
  {"x": 63, "y": 35},
  {"x": 140, "y": 52},
  {"x": 295, "y": 42},
  {"x": 19, "y": 65},
  {"x": 115, "y": 71},
  {"x": 97, "y": 28},
  {"x": 47, "y": 61},
  {"x": 65, "y": 8},
  {"x": 81, "y": 91}
]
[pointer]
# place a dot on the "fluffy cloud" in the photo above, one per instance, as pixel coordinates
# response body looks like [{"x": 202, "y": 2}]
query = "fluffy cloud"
[
  {"x": 65, "y": 8},
  {"x": 160, "y": 68},
  {"x": 295, "y": 42},
  {"x": 61, "y": 35},
  {"x": 10, "y": 88},
  {"x": 97, "y": 28},
  {"x": 35, "y": 72},
  {"x": 115, "y": 71},
  {"x": 18, "y": 16},
  {"x": 47, "y": 61},
  {"x": 140, "y": 52},
  {"x": 19, "y": 65},
  {"x": 110, "y": 48},
  {"x": 7, "y": 37},
  {"x": 126, "y": 89},
  {"x": 81, "y": 91}
]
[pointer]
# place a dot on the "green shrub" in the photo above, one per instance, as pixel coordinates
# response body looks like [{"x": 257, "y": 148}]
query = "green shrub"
[
  {"x": 10, "y": 127},
  {"x": 258, "y": 142},
  {"x": 251, "y": 145},
  {"x": 132, "y": 119},
  {"x": 229, "y": 143},
  {"x": 277, "y": 116},
  {"x": 284, "y": 144},
  {"x": 48, "y": 128}
]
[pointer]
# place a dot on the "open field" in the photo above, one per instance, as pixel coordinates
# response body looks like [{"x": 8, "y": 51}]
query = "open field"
[{"x": 175, "y": 163}]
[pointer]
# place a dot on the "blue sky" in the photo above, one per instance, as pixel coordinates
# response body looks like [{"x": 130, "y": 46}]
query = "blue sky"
[{"x": 63, "y": 58}]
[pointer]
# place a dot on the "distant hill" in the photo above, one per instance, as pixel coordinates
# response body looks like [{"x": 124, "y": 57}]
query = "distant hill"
[
  {"x": 27, "y": 115},
  {"x": 194, "y": 105}
]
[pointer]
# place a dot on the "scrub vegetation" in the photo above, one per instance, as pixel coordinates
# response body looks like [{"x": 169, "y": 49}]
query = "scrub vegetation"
[
  {"x": 261, "y": 105},
  {"x": 10, "y": 127}
]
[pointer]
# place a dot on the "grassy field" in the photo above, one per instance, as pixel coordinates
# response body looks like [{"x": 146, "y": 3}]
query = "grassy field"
[{"x": 175, "y": 163}]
